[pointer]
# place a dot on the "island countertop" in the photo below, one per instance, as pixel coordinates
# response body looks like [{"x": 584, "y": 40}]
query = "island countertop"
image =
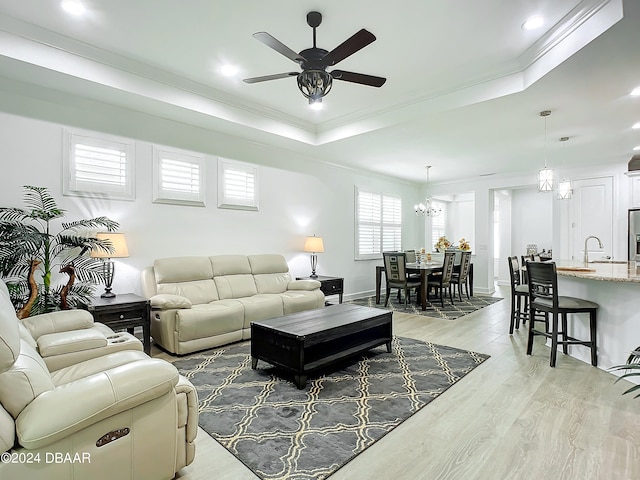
[{"x": 607, "y": 271}]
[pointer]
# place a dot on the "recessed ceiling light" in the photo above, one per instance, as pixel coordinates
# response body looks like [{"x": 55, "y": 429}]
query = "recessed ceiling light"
[
  {"x": 636, "y": 92},
  {"x": 636, "y": 125},
  {"x": 315, "y": 106},
  {"x": 636, "y": 148},
  {"x": 533, "y": 22},
  {"x": 229, "y": 70},
  {"x": 74, "y": 7}
]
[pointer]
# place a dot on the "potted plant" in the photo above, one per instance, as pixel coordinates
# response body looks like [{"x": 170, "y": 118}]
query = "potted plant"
[
  {"x": 442, "y": 244},
  {"x": 633, "y": 368},
  {"x": 30, "y": 253}
]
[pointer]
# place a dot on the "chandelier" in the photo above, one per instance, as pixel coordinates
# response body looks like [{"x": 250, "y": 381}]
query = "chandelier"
[
  {"x": 545, "y": 176},
  {"x": 427, "y": 209}
]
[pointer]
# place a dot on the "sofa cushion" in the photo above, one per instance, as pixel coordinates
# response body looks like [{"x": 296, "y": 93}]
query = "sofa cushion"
[
  {"x": 27, "y": 378},
  {"x": 197, "y": 291},
  {"x": 268, "y": 263},
  {"x": 9, "y": 333},
  {"x": 235, "y": 286},
  {"x": 215, "y": 318},
  {"x": 272, "y": 282},
  {"x": 261, "y": 307},
  {"x": 230, "y": 265},
  {"x": 182, "y": 269}
]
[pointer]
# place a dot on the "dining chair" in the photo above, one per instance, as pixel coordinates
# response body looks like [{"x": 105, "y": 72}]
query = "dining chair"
[
  {"x": 443, "y": 281},
  {"x": 543, "y": 296},
  {"x": 519, "y": 296},
  {"x": 461, "y": 277},
  {"x": 395, "y": 265},
  {"x": 411, "y": 256}
]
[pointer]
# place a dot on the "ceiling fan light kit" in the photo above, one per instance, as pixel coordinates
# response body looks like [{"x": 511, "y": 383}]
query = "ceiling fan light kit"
[{"x": 314, "y": 81}]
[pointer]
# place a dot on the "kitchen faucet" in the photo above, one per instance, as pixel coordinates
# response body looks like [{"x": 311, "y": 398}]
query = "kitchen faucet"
[{"x": 586, "y": 252}]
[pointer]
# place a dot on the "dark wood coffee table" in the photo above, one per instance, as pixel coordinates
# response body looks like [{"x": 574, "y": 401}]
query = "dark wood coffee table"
[{"x": 303, "y": 342}]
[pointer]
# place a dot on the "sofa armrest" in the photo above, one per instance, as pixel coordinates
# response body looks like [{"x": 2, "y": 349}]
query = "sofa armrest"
[
  {"x": 303, "y": 285},
  {"x": 69, "y": 342},
  {"x": 165, "y": 301},
  {"x": 67, "y": 409},
  {"x": 55, "y": 322}
]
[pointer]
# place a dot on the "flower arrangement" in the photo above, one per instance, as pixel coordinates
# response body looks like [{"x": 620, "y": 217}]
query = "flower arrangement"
[
  {"x": 464, "y": 245},
  {"x": 442, "y": 244}
]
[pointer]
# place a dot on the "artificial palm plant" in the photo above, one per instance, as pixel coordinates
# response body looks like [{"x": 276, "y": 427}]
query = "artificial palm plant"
[
  {"x": 632, "y": 367},
  {"x": 30, "y": 253}
]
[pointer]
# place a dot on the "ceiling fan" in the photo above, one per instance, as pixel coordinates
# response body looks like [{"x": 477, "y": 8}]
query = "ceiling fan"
[{"x": 314, "y": 81}]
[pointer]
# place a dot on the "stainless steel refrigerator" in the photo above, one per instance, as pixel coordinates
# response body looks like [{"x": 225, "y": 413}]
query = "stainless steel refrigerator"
[{"x": 634, "y": 234}]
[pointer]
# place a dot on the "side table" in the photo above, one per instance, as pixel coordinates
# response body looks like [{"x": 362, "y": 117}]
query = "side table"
[
  {"x": 329, "y": 285},
  {"x": 125, "y": 310}
]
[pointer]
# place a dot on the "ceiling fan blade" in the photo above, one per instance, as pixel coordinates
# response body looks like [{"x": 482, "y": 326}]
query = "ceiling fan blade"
[
  {"x": 278, "y": 46},
  {"x": 350, "y": 46},
  {"x": 270, "y": 77},
  {"x": 361, "y": 78}
]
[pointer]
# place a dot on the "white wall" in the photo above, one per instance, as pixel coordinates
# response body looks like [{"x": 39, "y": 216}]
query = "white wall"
[
  {"x": 299, "y": 196},
  {"x": 531, "y": 220}
]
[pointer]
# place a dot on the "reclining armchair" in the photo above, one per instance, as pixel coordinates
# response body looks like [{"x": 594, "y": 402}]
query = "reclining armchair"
[{"x": 120, "y": 415}]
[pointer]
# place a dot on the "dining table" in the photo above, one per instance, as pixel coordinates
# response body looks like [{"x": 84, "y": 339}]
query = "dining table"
[{"x": 424, "y": 269}]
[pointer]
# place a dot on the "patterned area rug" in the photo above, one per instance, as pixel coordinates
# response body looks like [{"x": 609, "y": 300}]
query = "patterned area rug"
[
  {"x": 280, "y": 432},
  {"x": 435, "y": 310}
]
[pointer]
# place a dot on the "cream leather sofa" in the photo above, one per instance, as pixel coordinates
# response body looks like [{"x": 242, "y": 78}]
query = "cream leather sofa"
[
  {"x": 204, "y": 302},
  {"x": 120, "y": 415}
]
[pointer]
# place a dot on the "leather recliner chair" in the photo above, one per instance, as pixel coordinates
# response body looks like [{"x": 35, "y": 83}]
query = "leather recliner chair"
[{"x": 121, "y": 415}]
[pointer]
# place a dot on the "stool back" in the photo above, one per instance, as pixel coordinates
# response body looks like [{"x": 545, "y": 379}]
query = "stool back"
[
  {"x": 543, "y": 285},
  {"x": 514, "y": 272}
]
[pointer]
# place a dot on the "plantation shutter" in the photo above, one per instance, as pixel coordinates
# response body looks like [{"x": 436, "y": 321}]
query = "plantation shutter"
[
  {"x": 178, "y": 177},
  {"x": 238, "y": 186},
  {"x": 96, "y": 165},
  {"x": 378, "y": 224}
]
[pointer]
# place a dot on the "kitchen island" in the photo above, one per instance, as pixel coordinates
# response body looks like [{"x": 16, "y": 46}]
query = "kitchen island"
[{"x": 615, "y": 286}]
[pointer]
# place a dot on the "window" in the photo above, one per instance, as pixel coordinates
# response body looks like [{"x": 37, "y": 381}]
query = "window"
[
  {"x": 237, "y": 185},
  {"x": 378, "y": 224},
  {"x": 98, "y": 165},
  {"x": 178, "y": 177},
  {"x": 438, "y": 223}
]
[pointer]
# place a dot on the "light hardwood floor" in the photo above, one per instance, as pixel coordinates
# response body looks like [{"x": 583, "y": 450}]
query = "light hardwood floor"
[{"x": 513, "y": 417}]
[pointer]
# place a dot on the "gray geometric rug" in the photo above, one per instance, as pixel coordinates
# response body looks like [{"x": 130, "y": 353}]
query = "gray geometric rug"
[
  {"x": 280, "y": 432},
  {"x": 434, "y": 309}
]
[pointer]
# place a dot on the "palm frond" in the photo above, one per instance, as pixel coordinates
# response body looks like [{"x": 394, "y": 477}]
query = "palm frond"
[
  {"x": 89, "y": 270},
  {"x": 13, "y": 214},
  {"x": 43, "y": 206},
  {"x": 92, "y": 223}
]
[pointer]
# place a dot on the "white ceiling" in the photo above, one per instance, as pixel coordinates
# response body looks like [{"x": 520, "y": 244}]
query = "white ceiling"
[{"x": 465, "y": 82}]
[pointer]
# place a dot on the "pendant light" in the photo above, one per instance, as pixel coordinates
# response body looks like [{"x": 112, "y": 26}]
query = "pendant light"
[
  {"x": 565, "y": 192},
  {"x": 545, "y": 176},
  {"x": 427, "y": 209}
]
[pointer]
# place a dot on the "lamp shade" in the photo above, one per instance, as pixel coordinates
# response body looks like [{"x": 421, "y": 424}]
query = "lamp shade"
[
  {"x": 314, "y": 245},
  {"x": 119, "y": 243}
]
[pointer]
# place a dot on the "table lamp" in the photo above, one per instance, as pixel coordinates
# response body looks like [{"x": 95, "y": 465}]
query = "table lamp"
[
  {"x": 314, "y": 245},
  {"x": 120, "y": 250}
]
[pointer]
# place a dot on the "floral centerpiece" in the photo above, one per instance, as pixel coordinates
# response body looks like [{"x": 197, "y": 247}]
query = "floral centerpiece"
[
  {"x": 464, "y": 245},
  {"x": 442, "y": 244}
]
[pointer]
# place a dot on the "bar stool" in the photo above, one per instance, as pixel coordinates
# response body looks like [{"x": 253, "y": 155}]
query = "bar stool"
[
  {"x": 519, "y": 296},
  {"x": 543, "y": 297}
]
